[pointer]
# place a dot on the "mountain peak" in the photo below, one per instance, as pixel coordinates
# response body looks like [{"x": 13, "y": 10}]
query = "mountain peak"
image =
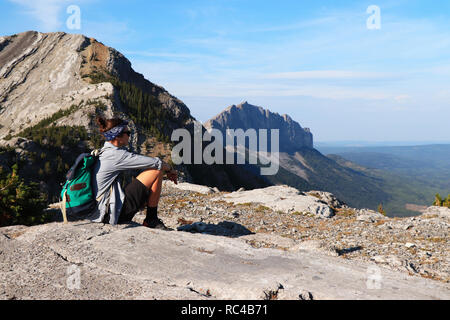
[
  {"x": 247, "y": 116},
  {"x": 43, "y": 73}
]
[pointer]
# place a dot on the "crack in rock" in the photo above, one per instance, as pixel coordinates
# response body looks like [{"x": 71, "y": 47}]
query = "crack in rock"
[
  {"x": 103, "y": 233},
  {"x": 207, "y": 294},
  {"x": 273, "y": 294}
]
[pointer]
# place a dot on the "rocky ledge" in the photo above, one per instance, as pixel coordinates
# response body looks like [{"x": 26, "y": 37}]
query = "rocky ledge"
[
  {"x": 317, "y": 220},
  {"x": 227, "y": 250}
]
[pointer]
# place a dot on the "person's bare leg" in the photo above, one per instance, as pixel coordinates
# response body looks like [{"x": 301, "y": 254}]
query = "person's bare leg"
[
  {"x": 155, "y": 192},
  {"x": 152, "y": 179},
  {"x": 148, "y": 177}
]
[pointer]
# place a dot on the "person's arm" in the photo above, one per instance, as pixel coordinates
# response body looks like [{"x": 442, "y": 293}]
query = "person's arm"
[{"x": 131, "y": 161}]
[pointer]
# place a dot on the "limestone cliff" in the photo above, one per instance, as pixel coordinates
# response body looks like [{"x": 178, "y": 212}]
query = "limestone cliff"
[
  {"x": 42, "y": 73},
  {"x": 247, "y": 116}
]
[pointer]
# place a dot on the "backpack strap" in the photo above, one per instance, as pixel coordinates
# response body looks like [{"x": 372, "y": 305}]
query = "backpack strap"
[
  {"x": 96, "y": 152},
  {"x": 63, "y": 207}
]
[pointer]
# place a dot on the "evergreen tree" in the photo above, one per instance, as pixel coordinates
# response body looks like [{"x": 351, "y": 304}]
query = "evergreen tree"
[
  {"x": 447, "y": 202},
  {"x": 381, "y": 210},
  {"x": 48, "y": 168},
  {"x": 437, "y": 200},
  {"x": 20, "y": 203}
]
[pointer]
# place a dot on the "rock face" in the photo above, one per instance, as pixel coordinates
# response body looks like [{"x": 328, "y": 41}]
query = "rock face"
[
  {"x": 284, "y": 199},
  {"x": 42, "y": 73},
  {"x": 192, "y": 187},
  {"x": 246, "y": 116},
  {"x": 95, "y": 261},
  {"x": 39, "y": 76}
]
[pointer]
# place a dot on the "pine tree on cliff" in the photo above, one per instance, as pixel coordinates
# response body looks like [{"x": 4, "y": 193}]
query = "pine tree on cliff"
[
  {"x": 438, "y": 200},
  {"x": 20, "y": 202},
  {"x": 447, "y": 202},
  {"x": 381, "y": 210}
]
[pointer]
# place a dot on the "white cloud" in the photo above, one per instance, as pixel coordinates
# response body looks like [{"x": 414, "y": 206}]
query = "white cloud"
[
  {"x": 168, "y": 55},
  {"x": 245, "y": 89},
  {"x": 109, "y": 32},
  {"x": 331, "y": 74},
  {"x": 50, "y": 14},
  {"x": 45, "y": 11},
  {"x": 402, "y": 98},
  {"x": 190, "y": 80},
  {"x": 295, "y": 26}
]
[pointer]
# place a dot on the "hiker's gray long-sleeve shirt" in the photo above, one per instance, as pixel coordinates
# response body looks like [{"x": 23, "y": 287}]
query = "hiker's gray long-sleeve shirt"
[{"x": 112, "y": 161}]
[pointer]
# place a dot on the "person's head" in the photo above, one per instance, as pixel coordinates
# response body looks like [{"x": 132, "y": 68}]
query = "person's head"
[{"x": 114, "y": 130}]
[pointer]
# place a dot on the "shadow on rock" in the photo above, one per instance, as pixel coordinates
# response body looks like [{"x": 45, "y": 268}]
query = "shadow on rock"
[
  {"x": 55, "y": 215},
  {"x": 348, "y": 250},
  {"x": 224, "y": 228}
]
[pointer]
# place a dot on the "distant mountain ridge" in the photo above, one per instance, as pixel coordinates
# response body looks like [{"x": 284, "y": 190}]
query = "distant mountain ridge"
[
  {"x": 411, "y": 174},
  {"x": 248, "y": 116},
  {"x": 300, "y": 165},
  {"x": 435, "y": 155}
]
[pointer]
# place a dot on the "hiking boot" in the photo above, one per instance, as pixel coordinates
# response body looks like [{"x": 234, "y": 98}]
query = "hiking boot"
[{"x": 155, "y": 224}]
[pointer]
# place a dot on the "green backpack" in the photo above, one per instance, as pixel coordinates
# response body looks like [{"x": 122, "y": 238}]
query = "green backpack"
[{"x": 77, "y": 196}]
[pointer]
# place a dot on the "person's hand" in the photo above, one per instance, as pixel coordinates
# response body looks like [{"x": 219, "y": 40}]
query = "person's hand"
[
  {"x": 173, "y": 176},
  {"x": 166, "y": 167}
]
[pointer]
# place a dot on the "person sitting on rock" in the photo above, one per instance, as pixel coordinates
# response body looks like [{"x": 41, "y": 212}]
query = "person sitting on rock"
[{"x": 117, "y": 206}]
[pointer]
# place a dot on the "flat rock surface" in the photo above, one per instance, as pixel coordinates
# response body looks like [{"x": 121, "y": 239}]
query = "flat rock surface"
[
  {"x": 282, "y": 198},
  {"x": 434, "y": 211},
  {"x": 190, "y": 187},
  {"x": 356, "y": 234},
  {"x": 133, "y": 262}
]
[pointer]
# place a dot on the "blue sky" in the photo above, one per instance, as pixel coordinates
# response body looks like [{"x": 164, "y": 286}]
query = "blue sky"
[{"x": 314, "y": 60}]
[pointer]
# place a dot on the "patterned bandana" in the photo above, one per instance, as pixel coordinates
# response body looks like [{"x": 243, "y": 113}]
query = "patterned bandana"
[{"x": 114, "y": 132}]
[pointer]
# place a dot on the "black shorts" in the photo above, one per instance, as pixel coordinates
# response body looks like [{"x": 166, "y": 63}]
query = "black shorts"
[{"x": 136, "y": 198}]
